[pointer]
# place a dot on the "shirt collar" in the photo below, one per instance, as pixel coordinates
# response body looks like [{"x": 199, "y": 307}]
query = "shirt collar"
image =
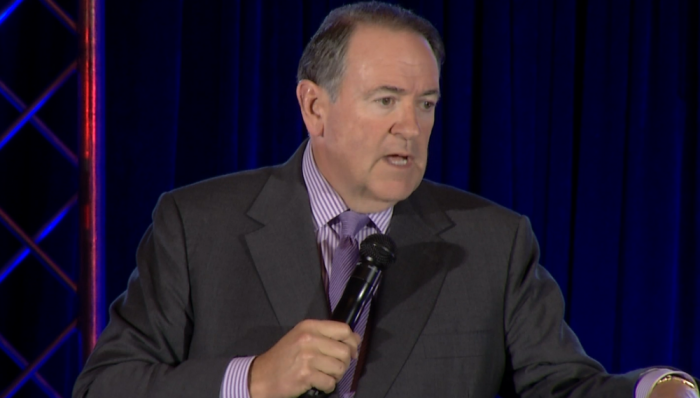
[{"x": 326, "y": 204}]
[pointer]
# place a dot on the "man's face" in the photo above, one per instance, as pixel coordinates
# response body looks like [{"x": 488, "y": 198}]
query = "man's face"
[{"x": 373, "y": 144}]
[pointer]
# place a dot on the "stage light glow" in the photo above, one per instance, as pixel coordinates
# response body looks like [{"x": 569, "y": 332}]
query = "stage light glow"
[{"x": 7, "y": 11}]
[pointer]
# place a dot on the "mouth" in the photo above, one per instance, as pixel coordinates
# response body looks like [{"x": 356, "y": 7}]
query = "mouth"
[{"x": 398, "y": 159}]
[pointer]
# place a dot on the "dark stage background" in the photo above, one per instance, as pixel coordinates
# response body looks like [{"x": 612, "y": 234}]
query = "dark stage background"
[{"x": 583, "y": 115}]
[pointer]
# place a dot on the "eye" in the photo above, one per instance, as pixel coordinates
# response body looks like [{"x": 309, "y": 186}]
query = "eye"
[
  {"x": 386, "y": 101},
  {"x": 428, "y": 105}
]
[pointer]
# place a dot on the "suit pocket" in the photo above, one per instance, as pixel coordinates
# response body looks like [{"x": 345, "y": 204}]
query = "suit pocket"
[{"x": 454, "y": 345}]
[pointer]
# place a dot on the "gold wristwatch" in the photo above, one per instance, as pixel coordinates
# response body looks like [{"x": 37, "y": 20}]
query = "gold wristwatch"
[{"x": 679, "y": 378}]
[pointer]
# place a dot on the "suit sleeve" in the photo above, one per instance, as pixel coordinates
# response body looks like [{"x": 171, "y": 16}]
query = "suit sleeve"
[
  {"x": 143, "y": 352},
  {"x": 545, "y": 358}
]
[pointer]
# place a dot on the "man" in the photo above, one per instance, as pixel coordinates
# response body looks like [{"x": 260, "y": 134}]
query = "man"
[{"x": 237, "y": 274}]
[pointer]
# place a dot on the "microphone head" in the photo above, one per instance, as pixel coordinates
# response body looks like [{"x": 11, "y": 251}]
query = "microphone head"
[{"x": 378, "y": 250}]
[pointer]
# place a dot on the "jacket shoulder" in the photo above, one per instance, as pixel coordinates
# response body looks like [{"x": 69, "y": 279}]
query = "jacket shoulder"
[
  {"x": 454, "y": 200},
  {"x": 235, "y": 191}
]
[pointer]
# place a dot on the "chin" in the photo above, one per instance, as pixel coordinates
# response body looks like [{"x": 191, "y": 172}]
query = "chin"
[{"x": 394, "y": 191}]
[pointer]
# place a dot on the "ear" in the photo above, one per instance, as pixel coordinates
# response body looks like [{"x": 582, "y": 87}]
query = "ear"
[{"x": 313, "y": 104}]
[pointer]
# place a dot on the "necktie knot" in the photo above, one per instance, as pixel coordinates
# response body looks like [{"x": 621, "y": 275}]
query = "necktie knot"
[{"x": 351, "y": 223}]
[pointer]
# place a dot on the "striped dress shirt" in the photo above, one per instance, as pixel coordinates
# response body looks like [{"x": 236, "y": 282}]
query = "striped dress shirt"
[{"x": 326, "y": 205}]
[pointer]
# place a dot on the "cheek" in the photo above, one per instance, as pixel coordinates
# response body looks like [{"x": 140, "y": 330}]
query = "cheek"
[
  {"x": 426, "y": 131},
  {"x": 365, "y": 139},
  {"x": 422, "y": 141},
  {"x": 426, "y": 124}
]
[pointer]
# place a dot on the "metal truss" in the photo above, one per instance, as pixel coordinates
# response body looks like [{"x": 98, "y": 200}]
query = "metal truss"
[{"x": 28, "y": 114}]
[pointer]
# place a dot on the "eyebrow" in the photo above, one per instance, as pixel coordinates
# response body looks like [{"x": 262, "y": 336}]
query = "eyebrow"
[
  {"x": 434, "y": 91},
  {"x": 400, "y": 91}
]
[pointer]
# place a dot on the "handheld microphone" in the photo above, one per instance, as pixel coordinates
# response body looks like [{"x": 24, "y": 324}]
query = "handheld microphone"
[{"x": 376, "y": 253}]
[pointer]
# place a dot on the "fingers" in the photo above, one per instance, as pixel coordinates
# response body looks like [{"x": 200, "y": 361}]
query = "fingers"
[
  {"x": 341, "y": 350},
  {"x": 330, "y": 367},
  {"x": 313, "y": 354},
  {"x": 336, "y": 350},
  {"x": 331, "y": 329},
  {"x": 335, "y": 331}
]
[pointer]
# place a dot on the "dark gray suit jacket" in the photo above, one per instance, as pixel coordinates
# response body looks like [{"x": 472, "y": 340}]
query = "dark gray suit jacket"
[{"x": 231, "y": 264}]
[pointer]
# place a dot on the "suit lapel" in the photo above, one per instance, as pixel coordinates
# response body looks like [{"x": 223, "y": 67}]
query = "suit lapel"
[
  {"x": 284, "y": 249},
  {"x": 408, "y": 291}
]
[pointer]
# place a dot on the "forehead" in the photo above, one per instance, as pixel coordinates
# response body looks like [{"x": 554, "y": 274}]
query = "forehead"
[{"x": 379, "y": 55}]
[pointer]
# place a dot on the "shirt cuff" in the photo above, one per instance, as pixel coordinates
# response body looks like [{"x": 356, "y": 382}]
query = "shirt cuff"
[
  {"x": 235, "y": 384},
  {"x": 650, "y": 378}
]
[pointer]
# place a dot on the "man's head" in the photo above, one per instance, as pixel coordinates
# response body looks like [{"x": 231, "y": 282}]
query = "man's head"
[{"x": 368, "y": 85}]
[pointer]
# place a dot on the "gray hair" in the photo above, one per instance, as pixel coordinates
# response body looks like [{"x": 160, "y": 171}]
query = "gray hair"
[{"x": 323, "y": 59}]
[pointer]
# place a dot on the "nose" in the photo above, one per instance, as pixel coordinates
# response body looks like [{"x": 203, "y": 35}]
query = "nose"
[{"x": 407, "y": 124}]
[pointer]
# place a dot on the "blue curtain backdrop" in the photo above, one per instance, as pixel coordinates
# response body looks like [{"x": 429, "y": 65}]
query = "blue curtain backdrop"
[{"x": 582, "y": 115}]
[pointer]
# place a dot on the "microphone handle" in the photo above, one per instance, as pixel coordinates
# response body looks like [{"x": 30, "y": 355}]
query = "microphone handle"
[
  {"x": 357, "y": 293},
  {"x": 314, "y": 393}
]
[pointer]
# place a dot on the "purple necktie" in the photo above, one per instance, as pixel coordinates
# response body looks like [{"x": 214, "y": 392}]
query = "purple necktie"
[{"x": 345, "y": 258}]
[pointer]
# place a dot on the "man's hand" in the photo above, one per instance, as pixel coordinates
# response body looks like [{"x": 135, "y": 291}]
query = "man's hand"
[
  {"x": 673, "y": 388},
  {"x": 313, "y": 354}
]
